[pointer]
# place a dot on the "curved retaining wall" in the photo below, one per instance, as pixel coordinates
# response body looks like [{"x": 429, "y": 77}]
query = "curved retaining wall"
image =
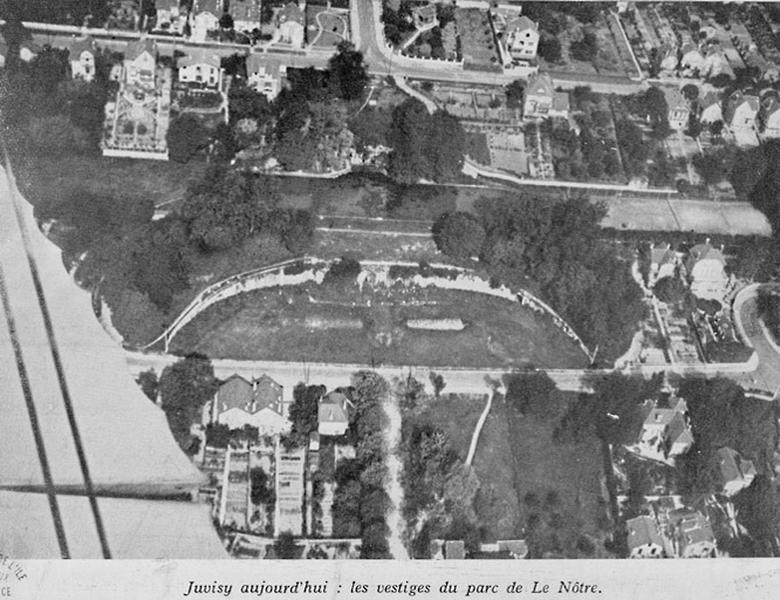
[{"x": 274, "y": 276}]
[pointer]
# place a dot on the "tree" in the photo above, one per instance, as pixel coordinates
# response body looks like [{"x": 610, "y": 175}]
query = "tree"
[
  {"x": 185, "y": 387},
  {"x": 438, "y": 383},
  {"x": 670, "y": 290},
  {"x": 716, "y": 127},
  {"x": 227, "y": 206},
  {"x": 586, "y": 48},
  {"x": 532, "y": 394},
  {"x": 344, "y": 269},
  {"x": 246, "y": 103},
  {"x": 550, "y": 48},
  {"x": 298, "y": 231},
  {"x": 261, "y": 491},
  {"x": 514, "y": 94},
  {"x": 690, "y": 92},
  {"x": 303, "y": 412},
  {"x": 348, "y": 74},
  {"x": 147, "y": 380},
  {"x": 285, "y": 546},
  {"x": 186, "y": 136},
  {"x": 226, "y": 21},
  {"x": 459, "y": 234}
]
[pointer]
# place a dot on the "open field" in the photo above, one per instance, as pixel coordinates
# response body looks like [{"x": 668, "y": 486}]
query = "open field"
[
  {"x": 335, "y": 322},
  {"x": 125, "y": 179}
]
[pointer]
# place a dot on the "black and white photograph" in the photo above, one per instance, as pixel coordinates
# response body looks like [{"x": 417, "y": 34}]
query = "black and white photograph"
[{"x": 390, "y": 279}]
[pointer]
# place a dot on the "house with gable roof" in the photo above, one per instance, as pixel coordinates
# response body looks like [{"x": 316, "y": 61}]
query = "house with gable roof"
[
  {"x": 424, "y": 17},
  {"x": 521, "y": 39},
  {"x": 290, "y": 25},
  {"x": 690, "y": 532},
  {"x": 333, "y": 414},
  {"x": 265, "y": 75},
  {"x": 644, "y": 538},
  {"x": 202, "y": 66},
  {"x": 82, "y": 58},
  {"x": 679, "y": 108},
  {"x": 691, "y": 60},
  {"x": 706, "y": 268},
  {"x": 246, "y": 14},
  {"x": 205, "y": 17},
  {"x": 663, "y": 263},
  {"x": 741, "y": 111},
  {"x": 141, "y": 62},
  {"x": 736, "y": 473},
  {"x": 541, "y": 101},
  {"x": 238, "y": 403},
  {"x": 666, "y": 431},
  {"x": 171, "y": 17},
  {"x": 710, "y": 108},
  {"x": 770, "y": 117}
]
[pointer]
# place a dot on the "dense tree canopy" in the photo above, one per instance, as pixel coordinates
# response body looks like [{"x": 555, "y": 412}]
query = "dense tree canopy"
[
  {"x": 425, "y": 146},
  {"x": 459, "y": 234},
  {"x": 348, "y": 74},
  {"x": 303, "y": 412},
  {"x": 185, "y": 387},
  {"x": 186, "y": 136}
]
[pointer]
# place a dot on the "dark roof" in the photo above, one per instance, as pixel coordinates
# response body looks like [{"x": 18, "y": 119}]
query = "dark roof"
[
  {"x": 235, "y": 392},
  {"x": 291, "y": 12},
  {"x": 245, "y": 10},
  {"x": 212, "y": 6},
  {"x": 642, "y": 531},
  {"x": 138, "y": 47},
  {"x": 199, "y": 56},
  {"x": 80, "y": 45},
  {"x": 333, "y": 408},
  {"x": 267, "y": 393}
]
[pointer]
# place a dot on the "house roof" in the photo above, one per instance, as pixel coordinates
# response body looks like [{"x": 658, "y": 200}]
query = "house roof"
[
  {"x": 689, "y": 47},
  {"x": 692, "y": 527},
  {"x": 333, "y": 408},
  {"x": 540, "y": 85},
  {"x": 662, "y": 256},
  {"x": 258, "y": 62},
  {"x": 291, "y": 12},
  {"x": 245, "y": 10},
  {"x": 199, "y": 56},
  {"x": 705, "y": 251},
  {"x": 733, "y": 467},
  {"x": 675, "y": 98},
  {"x": 454, "y": 549},
  {"x": 425, "y": 11},
  {"x": 267, "y": 394},
  {"x": 211, "y": 6},
  {"x": 521, "y": 24},
  {"x": 235, "y": 392},
  {"x": 643, "y": 531},
  {"x": 709, "y": 99},
  {"x": 138, "y": 47},
  {"x": 166, "y": 4},
  {"x": 80, "y": 45}
]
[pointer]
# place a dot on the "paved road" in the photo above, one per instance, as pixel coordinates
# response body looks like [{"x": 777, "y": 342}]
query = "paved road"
[{"x": 767, "y": 376}]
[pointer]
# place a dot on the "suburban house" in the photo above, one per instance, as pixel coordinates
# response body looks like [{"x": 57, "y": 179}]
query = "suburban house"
[
  {"x": 670, "y": 57},
  {"x": 770, "y": 118},
  {"x": 290, "y": 25},
  {"x": 690, "y": 533},
  {"x": 141, "y": 62},
  {"x": 710, "y": 108},
  {"x": 736, "y": 473},
  {"x": 448, "y": 549},
  {"x": 706, "y": 268},
  {"x": 521, "y": 39},
  {"x": 170, "y": 16},
  {"x": 200, "y": 66},
  {"x": 716, "y": 63},
  {"x": 205, "y": 17},
  {"x": 541, "y": 101},
  {"x": 666, "y": 432},
  {"x": 82, "y": 59},
  {"x": 644, "y": 538},
  {"x": 691, "y": 60},
  {"x": 679, "y": 108},
  {"x": 663, "y": 263},
  {"x": 424, "y": 17},
  {"x": 258, "y": 403},
  {"x": 246, "y": 14},
  {"x": 265, "y": 75},
  {"x": 741, "y": 111},
  {"x": 333, "y": 414}
]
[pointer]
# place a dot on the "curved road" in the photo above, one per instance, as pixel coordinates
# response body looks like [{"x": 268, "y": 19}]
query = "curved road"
[{"x": 753, "y": 331}]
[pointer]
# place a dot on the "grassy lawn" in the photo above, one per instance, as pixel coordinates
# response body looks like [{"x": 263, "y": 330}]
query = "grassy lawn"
[
  {"x": 497, "y": 504},
  {"x": 51, "y": 180},
  {"x": 571, "y": 470},
  {"x": 456, "y": 415},
  {"x": 338, "y": 323}
]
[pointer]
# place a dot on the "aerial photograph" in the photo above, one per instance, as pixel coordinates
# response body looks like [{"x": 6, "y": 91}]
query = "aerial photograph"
[{"x": 373, "y": 279}]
